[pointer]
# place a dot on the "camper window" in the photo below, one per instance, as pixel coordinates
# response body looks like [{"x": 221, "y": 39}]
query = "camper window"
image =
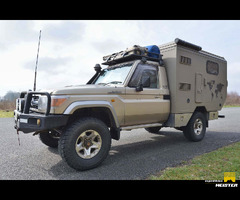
[
  {"x": 212, "y": 67},
  {"x": 185, "y": 60}
]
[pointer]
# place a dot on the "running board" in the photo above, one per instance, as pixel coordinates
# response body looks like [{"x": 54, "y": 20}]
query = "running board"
[{"x": 128, "y": 128}]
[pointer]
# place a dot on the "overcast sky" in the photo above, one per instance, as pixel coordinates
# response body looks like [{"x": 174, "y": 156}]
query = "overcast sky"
[{"x": 70, "y": 49}]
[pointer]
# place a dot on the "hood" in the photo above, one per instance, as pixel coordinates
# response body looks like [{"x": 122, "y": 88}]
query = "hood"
[{"x": 87, "y": 89}]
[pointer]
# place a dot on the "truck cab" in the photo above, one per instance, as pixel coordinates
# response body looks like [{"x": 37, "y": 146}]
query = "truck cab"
[{"x": 142, "y": 91}]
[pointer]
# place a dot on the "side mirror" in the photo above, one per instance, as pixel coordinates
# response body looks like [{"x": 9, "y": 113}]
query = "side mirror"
[
  {"x": 139, "y": 88},
  {"x": 145, "y": 82}
]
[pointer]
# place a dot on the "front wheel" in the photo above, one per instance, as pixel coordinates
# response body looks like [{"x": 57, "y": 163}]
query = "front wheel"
[
  {"x": 85, "y": 143},
  {"x": 49, "y": 138},
  {"x": 196, "y": 127}
]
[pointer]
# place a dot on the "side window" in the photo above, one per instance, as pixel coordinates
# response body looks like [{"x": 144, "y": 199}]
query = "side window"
[
  {"x": 212, "y": 67},
  {"x": 185, "y": 60},
  {"x": 145, "y": 70}
]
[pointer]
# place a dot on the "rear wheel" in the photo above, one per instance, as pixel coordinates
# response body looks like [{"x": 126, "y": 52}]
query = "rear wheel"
[
  {"x": 196, "y": 127},
  {"x": 85, "y": 143}
]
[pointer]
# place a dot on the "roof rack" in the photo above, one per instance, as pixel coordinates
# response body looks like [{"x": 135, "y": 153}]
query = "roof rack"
[
  {"x": 133, "y": 53},
  {"x": 132, "y": 57}
]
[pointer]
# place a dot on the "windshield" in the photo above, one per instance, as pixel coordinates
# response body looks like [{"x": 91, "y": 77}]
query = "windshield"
[{"x": 114, "y": 75}]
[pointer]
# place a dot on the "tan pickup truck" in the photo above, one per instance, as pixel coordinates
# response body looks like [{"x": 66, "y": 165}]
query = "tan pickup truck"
[{"x": 172, "y": 85}]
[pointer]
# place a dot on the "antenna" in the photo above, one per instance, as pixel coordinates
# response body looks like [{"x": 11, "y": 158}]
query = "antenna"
[{"x": 35, "y": 77}]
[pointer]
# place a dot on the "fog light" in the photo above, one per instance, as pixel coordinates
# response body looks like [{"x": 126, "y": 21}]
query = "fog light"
[{"x": 38, "y": 122}]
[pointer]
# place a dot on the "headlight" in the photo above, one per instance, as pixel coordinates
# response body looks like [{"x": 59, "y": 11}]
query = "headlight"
[
  {"x": 20, "y": 104},
  {"x": 56, "y": 101},
  {"x": 17, "y": 104},
  {"x": 42, "y": 103}
]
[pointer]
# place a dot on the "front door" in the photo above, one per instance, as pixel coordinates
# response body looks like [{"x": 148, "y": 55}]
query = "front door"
[{"x": 146, "y": 106}]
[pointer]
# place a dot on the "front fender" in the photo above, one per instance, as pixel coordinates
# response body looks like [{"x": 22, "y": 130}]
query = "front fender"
[{"x": 89, "y": 104}]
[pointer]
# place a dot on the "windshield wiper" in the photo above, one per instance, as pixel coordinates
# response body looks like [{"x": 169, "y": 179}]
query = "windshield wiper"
[{"x": 112, "y": 82}]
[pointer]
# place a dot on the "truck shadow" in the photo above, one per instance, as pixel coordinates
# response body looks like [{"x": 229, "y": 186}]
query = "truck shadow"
[
  {"x": 139, "y": 159},
  {"x": 153, "y": 142},
  {"x": 118, "y": 154}
]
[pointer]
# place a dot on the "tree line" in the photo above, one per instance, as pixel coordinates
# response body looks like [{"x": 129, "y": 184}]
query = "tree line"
[
  {"x": 10, "y": 96},
  {"x": 8, "y": 101}
]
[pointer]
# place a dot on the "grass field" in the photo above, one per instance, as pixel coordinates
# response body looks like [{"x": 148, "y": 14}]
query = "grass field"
[
  {"x": 209, "y": 166},
  {"x": 230, "y": 106},
  {"x": 6, "y": 114}
]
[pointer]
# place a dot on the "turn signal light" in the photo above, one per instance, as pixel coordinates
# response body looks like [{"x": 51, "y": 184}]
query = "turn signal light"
[{"x": 57, "y": 102}]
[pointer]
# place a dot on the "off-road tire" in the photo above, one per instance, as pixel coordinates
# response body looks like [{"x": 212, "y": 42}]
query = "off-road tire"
[
  {"x": 196, "y": 127},
  {"x": 68, "y": 141},
  {"x": 48, "y": 139},
  {"x": 153, "y": 129}
]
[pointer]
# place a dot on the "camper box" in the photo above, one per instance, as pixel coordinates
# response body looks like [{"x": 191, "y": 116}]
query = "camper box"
[{"x": 197, "y": 79}]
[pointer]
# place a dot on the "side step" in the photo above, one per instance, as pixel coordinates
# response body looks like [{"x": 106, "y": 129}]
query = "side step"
[{"x": 129, "y": 128}]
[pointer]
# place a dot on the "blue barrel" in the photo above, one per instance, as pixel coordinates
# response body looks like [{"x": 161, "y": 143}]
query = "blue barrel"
[{"x": 153, "y": 51}]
